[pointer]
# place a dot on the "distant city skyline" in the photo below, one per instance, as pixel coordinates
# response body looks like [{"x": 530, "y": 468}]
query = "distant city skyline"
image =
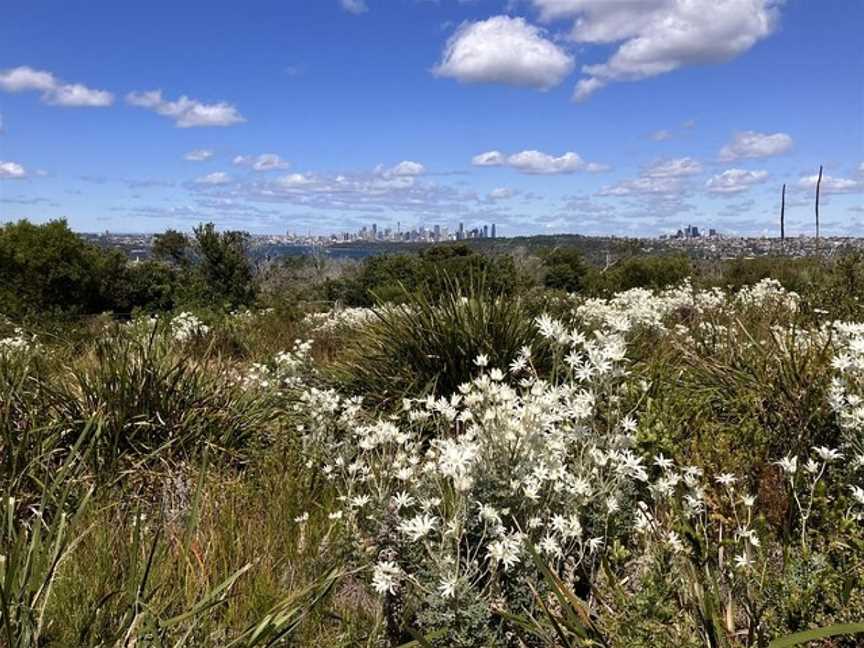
[{"x": 542, "y": 116}]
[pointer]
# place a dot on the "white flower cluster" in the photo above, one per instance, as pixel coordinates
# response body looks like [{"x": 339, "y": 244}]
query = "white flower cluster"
[
  {"x": 506, "y": 467},
  {"x": 339, "y": 319},
  {"x": 288, "y": 368},
  {"x": 187, "y": 326},
  {"x": 847, "y": 385},
  {"x": 17, "y": 343},
  {"x": 768, "y": 293},
  {"x": 643, "y": 308},
  {"x": 464, "y": 488}
]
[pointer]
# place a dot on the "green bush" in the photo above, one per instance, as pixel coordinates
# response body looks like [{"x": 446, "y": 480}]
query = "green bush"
[
  {"x": 150, "y": 394},
  {"x": 429, "y": 342},
  {"x": 565, "y": 270},
  {"x": 642, "y": 272}
]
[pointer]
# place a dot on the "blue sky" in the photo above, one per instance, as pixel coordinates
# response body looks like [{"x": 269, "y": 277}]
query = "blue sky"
[{"x": 543, "y": 116}]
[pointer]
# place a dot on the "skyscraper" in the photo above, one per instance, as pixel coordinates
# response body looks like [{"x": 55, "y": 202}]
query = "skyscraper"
[{"x": 493, "y": 230}]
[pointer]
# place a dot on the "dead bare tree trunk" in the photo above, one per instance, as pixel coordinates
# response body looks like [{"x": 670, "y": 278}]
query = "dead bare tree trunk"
[
  {"x": 818, "y": 185},
  {"x": 783, "y": 214}
]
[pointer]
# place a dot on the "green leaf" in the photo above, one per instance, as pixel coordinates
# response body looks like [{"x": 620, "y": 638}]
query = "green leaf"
[{"x": 818, "y": 633}]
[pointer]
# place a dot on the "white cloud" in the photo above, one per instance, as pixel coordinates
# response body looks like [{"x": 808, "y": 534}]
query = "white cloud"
[
  {"x": 831, "y": 184},
  {"x": 79, "y": 96},
  {"x": 750, "y": 144},
  {"x": 539, "y": 163},
  {"x": 661, "y": 178},
  {"x": 186, "y": 112},
  {"x": 295, "y": 180},
  {"x": 659, "y": 36},
  {"x": 54, "y": 92},
  {"x": 354, "y": 6},
  {"x": 733, "y": 181},
  {"x": 403, "y": 169},
  {"x": 535, "y": 162},
  {"x": 216, "y": 178},
  {"x": 586, "y": 87},
  {"x": 489, "y": 158},
  {"x": 645, "y": 185},
  {"x": 363, "y": 193},
  {"x": 263, "y": 162},
  {"x": 675, "y": 168},
  {"x": 199, "y": 155},
  {"x": 501, "y": 193},
  {"x": 24, "y": 78},
  {"x": 504, "y": 50},
  {"x": 660, "y": 135},
  {"x": 12, "y": 170}
]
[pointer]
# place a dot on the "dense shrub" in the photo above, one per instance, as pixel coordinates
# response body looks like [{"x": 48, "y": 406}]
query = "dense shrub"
[
  {"x": 654, "y": 272},
  {"x": 48, "y": 268},
  {"x": 428, "y": 343},
  {"x": 392, "y": 278},
  {"x": 565, "y": 270}
]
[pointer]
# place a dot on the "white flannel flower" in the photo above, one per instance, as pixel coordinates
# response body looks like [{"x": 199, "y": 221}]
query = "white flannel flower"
[
  {"x": 828, "y": 454},
  {"x": 726, "y": 479},
  {"x": 385, "y": 577},
  {"x": 788, "y": 464},
  {"x": 419, "y": 526}
]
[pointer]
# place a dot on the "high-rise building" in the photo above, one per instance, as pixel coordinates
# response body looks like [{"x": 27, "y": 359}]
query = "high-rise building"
[
  {"x": 493, "y": 230},
  {"x": 485, "y": 231},
  {"x": 460, "y": 233}
]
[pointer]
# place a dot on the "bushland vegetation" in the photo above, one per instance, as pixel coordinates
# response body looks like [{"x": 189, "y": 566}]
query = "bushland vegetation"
[{"x": 444, "y": 449}]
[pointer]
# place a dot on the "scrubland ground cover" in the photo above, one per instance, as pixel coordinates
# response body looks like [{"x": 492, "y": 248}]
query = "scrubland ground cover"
[{"x": 464, "y": 465}]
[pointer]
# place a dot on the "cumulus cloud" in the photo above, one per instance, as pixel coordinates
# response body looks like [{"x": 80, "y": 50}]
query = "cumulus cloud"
[
  {"x": 406, "y": 168},
  {"x": 12, "y": 170},
  {"x": 538, "y": 163},
  {"x": 659, "y": 36},
  {"x": 750, "y": 144},
  {"x": 263, "y": 162},
  {"x": 734, "y": 181},
  {"x": 504, "y": 50},
  {"x": 214, "y": 179},
  {"x": 675, "y": 168},
  {"x": 660, "y": 178},
  {"x": 831, "y": 184},
  {"x": 354, "y": 6},
  {"x": 644, "y": 185},
  {"x": 54, "y": 91},
  {"x": 186, "y": 112},
  {"x": 199, "y": 155},
  {"x": 295, "y": 180},
  {"x": 77, "y": 95},
  {"x": 489, "y": 158}
]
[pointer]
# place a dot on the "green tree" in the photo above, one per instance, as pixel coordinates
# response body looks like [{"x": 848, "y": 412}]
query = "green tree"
[
  {"x": 172, "y": 246},
  {"x": 49, "y": 268},
  {"x": 565, "y": 270},
  {"x": 224, "y": 267}
]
